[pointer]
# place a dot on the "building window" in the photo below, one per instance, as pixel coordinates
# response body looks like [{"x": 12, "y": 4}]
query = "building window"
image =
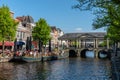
[
  {"x": 18, "y": 34},
  {"x": 23, "y": 34}
]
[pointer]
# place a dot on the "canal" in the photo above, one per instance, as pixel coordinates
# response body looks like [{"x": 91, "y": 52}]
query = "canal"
[{"x": 66, "y": 69}]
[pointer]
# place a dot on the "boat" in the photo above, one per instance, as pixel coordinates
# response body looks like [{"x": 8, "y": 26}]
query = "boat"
[
  {"x": 46, "y": 58},
  {"x": 26, "y": 58},
  {"x": 39, "y": 57},
  {"x": 55, "y": 56},
  {"x": 31, "y": 59},
  {"x": 16, "y": 59}
]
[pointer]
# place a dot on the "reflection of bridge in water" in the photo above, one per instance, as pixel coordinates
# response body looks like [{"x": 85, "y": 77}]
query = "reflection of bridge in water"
[{"x": 79, "y": 43}]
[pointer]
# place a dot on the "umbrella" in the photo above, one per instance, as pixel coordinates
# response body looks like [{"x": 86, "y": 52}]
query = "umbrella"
[{"x": 20, "y": 43}]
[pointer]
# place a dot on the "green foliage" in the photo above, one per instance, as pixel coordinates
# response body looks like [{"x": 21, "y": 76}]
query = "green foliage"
[
  {"x": 113, "y": 33},
  {"x": 103, "y": 44},
  {"x": 41, "y": 31},
  {"x": 107, "y": 15},
  {"x": 7, "y": 24}
]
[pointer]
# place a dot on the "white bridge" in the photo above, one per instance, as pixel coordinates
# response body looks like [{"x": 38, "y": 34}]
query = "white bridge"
[{"x": 78, "y": 42}]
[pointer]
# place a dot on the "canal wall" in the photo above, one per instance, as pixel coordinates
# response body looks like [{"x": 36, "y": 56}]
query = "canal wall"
[{"x": 115, "y": 65}]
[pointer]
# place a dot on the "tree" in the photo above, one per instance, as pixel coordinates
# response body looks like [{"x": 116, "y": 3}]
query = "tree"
[
  {"x": 41, "y": 31},
  {"x": 113, "y": 34},
  {"x": 7, "y": 25},
  {"x": 107, "y": 15}
]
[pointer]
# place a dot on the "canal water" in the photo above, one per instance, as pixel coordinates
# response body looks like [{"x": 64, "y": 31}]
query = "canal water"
[{"x": 65, "y": 69}]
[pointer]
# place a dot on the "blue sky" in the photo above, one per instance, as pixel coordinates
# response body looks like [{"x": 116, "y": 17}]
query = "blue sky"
[{"x": 57, "y": 13}]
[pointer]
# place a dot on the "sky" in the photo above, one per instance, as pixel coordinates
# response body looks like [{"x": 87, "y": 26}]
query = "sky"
[{"x": 57, "y": 13}]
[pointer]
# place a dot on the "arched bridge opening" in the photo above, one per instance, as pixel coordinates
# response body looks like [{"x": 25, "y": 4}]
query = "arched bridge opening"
[
  {"x": 104, "y": 54},
  {"x": 72, "y": 53},
  {"x": 83, "y": 53},
  {"x": 86, "y": 53},
  {"x": 89, "y": 53},
  {"x": 79, "y": 41}
]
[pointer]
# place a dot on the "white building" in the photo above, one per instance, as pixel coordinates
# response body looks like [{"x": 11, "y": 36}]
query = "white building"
[{"x": 24, "y": 29}]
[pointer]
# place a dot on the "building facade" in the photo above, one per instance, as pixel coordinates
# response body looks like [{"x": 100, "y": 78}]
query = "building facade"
[
  {"x": 55, "y": 34},
  {"x": 24, "y": 30}
]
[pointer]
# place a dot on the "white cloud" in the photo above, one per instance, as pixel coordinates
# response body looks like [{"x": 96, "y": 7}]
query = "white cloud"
[{"x": 78, "y": 29}]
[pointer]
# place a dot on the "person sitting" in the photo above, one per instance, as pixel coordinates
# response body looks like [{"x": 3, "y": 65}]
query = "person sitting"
[{"x": 31, "y": 53}]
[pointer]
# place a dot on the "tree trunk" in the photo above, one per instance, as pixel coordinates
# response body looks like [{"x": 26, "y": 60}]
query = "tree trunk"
[
  {"x": 3, "y": 46},
  {"x": 45, "y": 50},
  {"x": 40, "y": 46}
]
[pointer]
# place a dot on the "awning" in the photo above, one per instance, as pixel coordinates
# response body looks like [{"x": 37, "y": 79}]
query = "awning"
[
  {"x": 20, "y": 43},
  {"x": 7, "y": 43}
]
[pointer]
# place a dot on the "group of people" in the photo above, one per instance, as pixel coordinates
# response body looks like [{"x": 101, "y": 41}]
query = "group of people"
[
  {"x": 32, "y": 53},
  {"x": 6, "y": 53}
]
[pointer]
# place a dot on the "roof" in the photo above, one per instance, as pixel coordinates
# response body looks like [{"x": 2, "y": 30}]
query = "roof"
[
  {"x": 71, "y": 36},
  {"x": 25, "y": 19}
]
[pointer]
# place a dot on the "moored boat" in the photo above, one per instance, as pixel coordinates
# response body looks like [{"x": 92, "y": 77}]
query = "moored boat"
[
  {"x": 16, "y": 59},
  {"x": 25, "y": 59},
  {"x": 31, "y": 59},
  {"x": 46, "y": 58}
]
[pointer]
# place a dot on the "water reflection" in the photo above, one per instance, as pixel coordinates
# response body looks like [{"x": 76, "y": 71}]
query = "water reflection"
[
  {"x": 90, "y": 54},
  {"x": 65, "y": 69}
]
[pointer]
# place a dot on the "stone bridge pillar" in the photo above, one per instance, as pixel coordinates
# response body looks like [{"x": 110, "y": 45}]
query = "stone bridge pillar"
[
  {"x": 96, "y": 53},
  {"x": 96, "y": 43}
]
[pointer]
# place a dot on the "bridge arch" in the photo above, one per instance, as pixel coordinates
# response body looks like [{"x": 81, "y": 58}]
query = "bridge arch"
[
  {"x": 79, "y": 41},
  {"x": 83, "y": 53},
  {"x": 103, "y": 54},
  {"x": 72, "y": 53}
]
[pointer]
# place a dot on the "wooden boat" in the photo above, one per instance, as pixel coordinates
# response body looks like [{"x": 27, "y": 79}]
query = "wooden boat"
[
  {"x": 46, "y": 58},
  {"x": 39, "y": 57},
  {"x": 16, "y": 59},
  {"x": 31, "y": 59},
  {"x": 25, "y": 59}
]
